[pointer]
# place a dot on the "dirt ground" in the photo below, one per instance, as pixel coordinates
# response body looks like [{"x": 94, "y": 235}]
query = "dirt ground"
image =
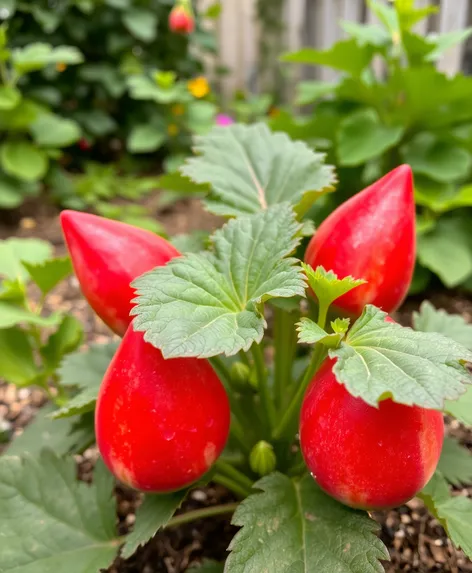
[{"x": 416, "y": 541}]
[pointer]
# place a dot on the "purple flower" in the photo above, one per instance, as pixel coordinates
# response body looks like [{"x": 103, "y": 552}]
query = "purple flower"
[{"x": 223, "y": 119}]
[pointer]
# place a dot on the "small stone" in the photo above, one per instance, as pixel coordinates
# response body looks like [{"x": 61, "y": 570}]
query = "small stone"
[
  {"x": 130, "y": 519},
  {"x": 10, "y": 394},
  {"x": 27, "y": 223},
  {"x": 199, "y": 495},
  {"x": 405, "y": 518},
  {"x": 24, "y": 393}
]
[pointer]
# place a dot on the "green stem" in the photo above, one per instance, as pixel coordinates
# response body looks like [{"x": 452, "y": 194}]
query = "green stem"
[
  {"x": 263, "y": 386},
  {"x": 239, "y": 435},
  {"x": 226, "y": 469},
  {"x": 235, "y": 487},
  {"x": 284, "y": 351},
  {"x": 221, "y": 370},
  {"x": 202, "y": 514},
  {"x": 244, "y": 358}
]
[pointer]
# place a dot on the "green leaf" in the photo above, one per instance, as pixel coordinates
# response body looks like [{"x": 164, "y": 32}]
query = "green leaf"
[
  {"x": 24, "y": 160},
  {"x": 152, "y": 514},
  {"x": 447, "y": 250},
  {"x": 145, "y": 138},
  {"x": 327, "y": 286},
  {"x": 14, "y": 192},
  {"x": 208, "y": 304},
  {"x": 208, "y": 567},
  {"x": 65, "y": 436},
  {"x": 250, "y": 168},
  {"x": 86, "y": 371},
  {"x": 310, "y": 91},
  {"x": 380, "y": 359},
  {"x": 292, "y": 526},
  {"x": 201, "y": 116},
  {"x": 51, "y": 521},
  {"x": 179, "y": 183},
  {"x": 66, "y": 339},
  {"x": 51, "y": 130},
  {"x": 97, "y": 122},
  {"x": 345, "y": 55},
  {"x": 310, "y": 333},
  {"x": 435, "y": 490},
  {"x": 15, "y": 251},
  {"x": 436, "y": 158},
  {"x": 11, "y": 315},
  {"x": 455, "y": 463},
  {"x": 430, "y": 319},
  {"x": 50, "y": 273},
  {"x": 442, "y": 42},
  {"x": 461, "y": 408},
  {"x": 17, "y": 364},
  {"x": 367, "y": 34},
  {"x": 141, "y": 23},
  {"x": 191, "y": 243},
  {"x": 362, "y": 136},
  {"x": 456, "y": 514},
  {"x": 9, "y": 97},
  {"x": 38, "y": 55}
]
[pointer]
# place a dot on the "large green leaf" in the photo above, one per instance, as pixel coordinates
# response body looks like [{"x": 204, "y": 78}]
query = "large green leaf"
[
  {"x": 145, "y": 138},
  {"x": 52, "y": 522},
  {"x": 37, "y": 55},
  {"x": 362, "y": 136},
  {"x": 380, "y": 359},
  {"x": 208, "y": 304},
  {"x": 17, "y": 363},
  {"x": 51, "y": 130},
  {"x": 141, "y": 23},
  {"x": 462, "y": 408},
  {"x": 14, "y": 251},
  {"x": 347, "y": 56},
  {"x": 24, "y": 160},
  {"x": 293, "y": 527},
  {"x": 455, "y": 463},
  {"x": 430, "y": 319},
  {"x": 250, "y": 168}
]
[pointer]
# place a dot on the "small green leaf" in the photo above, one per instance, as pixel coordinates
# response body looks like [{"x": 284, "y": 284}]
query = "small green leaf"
[
  {"x": 379, "y": 358},
  {"x": 346, "y": 56},
  {"x": 292, "y": 526},
  {"x": 65, "y": 524},
  {"x": 145, "y": 138},
  {"x": 367, "y": 34},
  {"x": 152, "y": 514},
  {"x": 13, "y": 252},
  {"x": 51, "y": 130},
  {"x": 141, "y": 23},
  {"x": 191, "y": 243},
  {"x": 208, "y": 304},
  {"x": 50, "y": 273},
  {"x": 86, "y": 371},
  {"x": 327, "y": 286},
  {"x": 340, "y": 325},
  {"x": 456, "y": 513},
  {"x": 442, "y": 42},
  {"x": 23, "y": 160},
  {"x": 310, "y": 333},
  {"x": 310, "y": 91},
  {"x": 11, "y": 315},
  {"x": 455, "y": 463},
  {"x": 9, "y": 97},
  {"x": 250, "y": 168},
  {"x": 362, "y": 136},
  {"x": 435, "y": 490},
  {"x": 66, "y": 339},
  {"x": 461, "y": 408},
  {"x": 38, "y": 55},
  {"x": 17, "y": 364},
  {"x": 430, "y": 319}
]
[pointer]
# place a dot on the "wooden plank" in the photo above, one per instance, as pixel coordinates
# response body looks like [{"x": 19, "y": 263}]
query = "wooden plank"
[
  {"x": 295, "y": 18},
  {"x": 329, "y": 32},
  {"x": 351, "y": 10},
  {"x": 452, "y": 17}
]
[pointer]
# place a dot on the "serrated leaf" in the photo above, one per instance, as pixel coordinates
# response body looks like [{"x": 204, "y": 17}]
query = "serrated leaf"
[
  {"x": 455, "y": 463},
  {"x": 456, "y": 514},
  {"x": 340, "y": 325},
  {"x": 430, "y": 319},
  {"x": 49, "y": 273},
  {"x": 251, "y": 168},
  {"x": 294, "y": 527},
  {"x": 85, "y": 370},
  {"x": 207, "y": 304},
  {"x": 52, "y": 522},
  {"x": 326, "y": 285},
  {"x": 310, "y": 333},
  {"x": 11, "y": 315},
  {"x": 17, "y": 364},
  {"x": 15, "y": 251},
  {"x": 435, "y": 490},
  {"x": 192, "y": 242},
  {"x": 379, "y": 358},
  {"x": 67, "y": 338},
  {"x": 461, "y": 409},
  {"x": 152, "y": 514}
]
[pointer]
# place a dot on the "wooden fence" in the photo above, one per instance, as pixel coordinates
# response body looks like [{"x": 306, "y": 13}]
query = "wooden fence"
[{"x": 315, "y": 23}]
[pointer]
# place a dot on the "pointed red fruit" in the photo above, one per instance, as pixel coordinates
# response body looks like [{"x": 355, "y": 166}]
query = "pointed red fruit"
[
  {"x": 181, "y": 20},
  {"x": 371, "y": 236},
  {"x": 160, "y": 424},
  {"x": 107, "y": 256},
  {"x": 366, "y": 457}
]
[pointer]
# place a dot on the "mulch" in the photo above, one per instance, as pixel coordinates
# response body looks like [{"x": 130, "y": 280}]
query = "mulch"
[{"x": 416, "y": 541}]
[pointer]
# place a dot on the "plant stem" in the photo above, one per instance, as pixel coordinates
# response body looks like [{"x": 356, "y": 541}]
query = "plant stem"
[
  {"x": 284, "y": 351},
  {"x": 226, "y": 469},
  {"x": 244, "y": 358},
  {"x": 237, "y": 431},
  {"x": 221, "y": 370},
  {"x": 201, "y": 514},
  {"x": 235, "y": 487},
  {"x": 263, "y": 386}
]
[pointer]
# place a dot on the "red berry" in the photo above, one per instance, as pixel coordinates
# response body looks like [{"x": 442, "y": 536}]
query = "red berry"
[
  {"x": 107, "y": 256},
  {"x": 84, "y": 144},
  {"x": 181, "y": 20},
  {"x": 371, "y": 236},
  {"x": 366, "y": 457},
  {"x": 160, "y": 424}
]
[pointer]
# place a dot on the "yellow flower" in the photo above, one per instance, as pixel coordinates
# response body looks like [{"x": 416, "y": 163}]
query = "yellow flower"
[
  {"x": 177, "y": 109},
  {"x": 60, "y": 66},
  {"x": 172, "y": 129},
  {"x": 199, "y": 87}
]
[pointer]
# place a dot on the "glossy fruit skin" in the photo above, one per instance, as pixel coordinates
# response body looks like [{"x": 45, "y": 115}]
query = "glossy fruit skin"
[
  {"x": 107, "y": 256},
  {"x": 366, "y": 457},
  {"x": 371, "y": 236},
  {"x": 181, "y": 21},
  {"x": 160, "y": 424}
]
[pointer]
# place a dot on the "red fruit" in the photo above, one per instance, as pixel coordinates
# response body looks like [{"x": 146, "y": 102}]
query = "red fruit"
[
  {"x": 107, "y": 256},
  {"x": 181, "y": 20},
  {"x": 371, "y": 236},
  {"x": 366, "y": 457},
  {"x": 84, "y": 144},
  {"x": 160, "y": 424}
]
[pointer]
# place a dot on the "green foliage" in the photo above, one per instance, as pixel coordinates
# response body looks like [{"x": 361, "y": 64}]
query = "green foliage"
[
  {"x": 390, "y": 106},
  {"x": 455, "y": 463}
]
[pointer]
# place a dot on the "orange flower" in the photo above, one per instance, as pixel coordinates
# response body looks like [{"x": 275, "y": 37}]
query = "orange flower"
[
  {"x": 60, "y": 66},
  {"x": 172, "y": 129},
  {"x": 199, "y": 87}
]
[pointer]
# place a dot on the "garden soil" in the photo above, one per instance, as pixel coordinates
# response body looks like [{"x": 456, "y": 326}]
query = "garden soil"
[{"x": 416, "y": 541}]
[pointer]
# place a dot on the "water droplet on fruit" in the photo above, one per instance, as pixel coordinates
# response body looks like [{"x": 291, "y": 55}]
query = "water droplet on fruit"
[{"x": 168, "y": 435}]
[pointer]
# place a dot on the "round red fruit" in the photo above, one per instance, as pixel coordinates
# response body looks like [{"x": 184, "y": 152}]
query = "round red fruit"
[
  {"x": 367, "y": 457},
  {"x": 160, "y": 424},
  {"x": 181, "y": 20}
]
